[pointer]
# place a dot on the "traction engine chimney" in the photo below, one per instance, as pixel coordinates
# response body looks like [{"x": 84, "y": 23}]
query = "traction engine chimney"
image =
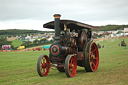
[{"x": 57, "y": 27}]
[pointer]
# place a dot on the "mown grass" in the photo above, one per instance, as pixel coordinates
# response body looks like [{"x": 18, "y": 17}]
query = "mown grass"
[
  {"x": 19, "y": 68},
  {"x": 16, "y": 43}
]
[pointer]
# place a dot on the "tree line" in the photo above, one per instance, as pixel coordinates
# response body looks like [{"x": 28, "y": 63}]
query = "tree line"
[
  {"x": 112, "y": 27},
  {"x": 15, "y": 32}
]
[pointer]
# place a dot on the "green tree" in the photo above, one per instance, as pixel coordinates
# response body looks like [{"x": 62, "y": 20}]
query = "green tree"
[
  {"x": 42, "y": 41},
  {"x": 35, "y": 42},
  {"x": 27, "y": 44},
  {"x": 3, "y": 41}
]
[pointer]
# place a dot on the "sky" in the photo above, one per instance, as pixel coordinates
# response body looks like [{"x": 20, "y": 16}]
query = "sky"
[{"x": 32, "y": 14}]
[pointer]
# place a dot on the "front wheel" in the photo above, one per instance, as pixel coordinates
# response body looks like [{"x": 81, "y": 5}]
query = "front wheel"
[
  {"x": 43, "y": 65},
  {"x": 70, "y": 66}
]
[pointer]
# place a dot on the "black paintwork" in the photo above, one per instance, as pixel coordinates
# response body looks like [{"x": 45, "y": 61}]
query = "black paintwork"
[{"x": 70, "y": 24}]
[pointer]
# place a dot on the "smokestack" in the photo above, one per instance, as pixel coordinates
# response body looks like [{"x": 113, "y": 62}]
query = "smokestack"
[{"x": 57, "y": 27}]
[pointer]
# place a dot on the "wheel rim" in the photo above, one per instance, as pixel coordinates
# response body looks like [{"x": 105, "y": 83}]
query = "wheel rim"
[
  {"x": 44, "y": 65},
  {"x": 94, "y": 57},
  {"x": 72, "y": 66}
]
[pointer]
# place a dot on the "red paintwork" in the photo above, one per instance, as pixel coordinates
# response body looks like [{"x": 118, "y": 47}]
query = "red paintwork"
[
  {"x": 45, "y": 65},
  {"x": 94, "y": 57},
  {"x": 72, "y": 66},
  {"x": 80, "y": 56},
  {"x": 57, "y": 48}
]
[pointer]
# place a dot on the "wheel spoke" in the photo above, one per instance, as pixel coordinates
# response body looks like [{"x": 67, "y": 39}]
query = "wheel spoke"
[
  {"x": 43, "y": 60},
  {"x": 95, "y": 59},
  {"x": 93, "y": 51},
  {"x": 93, "y": 65},
  {"x": 43, "y": 70},
  {"x": 71, "y": 62},
  {"x": 70, "y": 66},
  {"x": 91, "y": 54},
  {"x": 91, "y": 58},
  {"x": 70, "y": 69}
]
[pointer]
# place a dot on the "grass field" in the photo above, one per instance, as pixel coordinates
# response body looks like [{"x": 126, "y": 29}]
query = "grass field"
[
  {"x": 19, "y": 68},
  {"x": 16, "y": 43}
]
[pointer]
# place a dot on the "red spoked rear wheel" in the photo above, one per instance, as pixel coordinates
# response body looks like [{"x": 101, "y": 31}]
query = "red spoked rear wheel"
[
  {"x": 70, "y": 66},
  {"x": 91, "y": 57},
  {"x": 94, "y": 57},
  {"x": 43, "y": 65}
]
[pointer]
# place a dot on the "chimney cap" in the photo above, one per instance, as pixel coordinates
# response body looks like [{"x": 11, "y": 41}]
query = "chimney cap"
[{"x": 56, "y": 15}]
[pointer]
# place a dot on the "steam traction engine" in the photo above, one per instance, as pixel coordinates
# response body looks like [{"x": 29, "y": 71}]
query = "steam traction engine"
[{"x": 73, "y": 45}]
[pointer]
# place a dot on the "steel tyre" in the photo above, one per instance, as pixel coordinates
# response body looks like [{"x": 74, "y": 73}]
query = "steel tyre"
[
  {"x": 70, "y": 66},
  {"x": 43, "y": 65}
]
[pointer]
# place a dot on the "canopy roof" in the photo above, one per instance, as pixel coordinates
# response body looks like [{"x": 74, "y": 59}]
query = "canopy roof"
[{"x": 70, "y": 24}]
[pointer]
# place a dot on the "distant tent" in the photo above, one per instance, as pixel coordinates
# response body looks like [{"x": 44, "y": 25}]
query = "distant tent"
[{"x": 6, "y": 47}]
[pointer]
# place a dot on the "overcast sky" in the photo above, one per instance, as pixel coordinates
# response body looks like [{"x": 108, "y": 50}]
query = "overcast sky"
[{"x": 32, "y": 14}]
